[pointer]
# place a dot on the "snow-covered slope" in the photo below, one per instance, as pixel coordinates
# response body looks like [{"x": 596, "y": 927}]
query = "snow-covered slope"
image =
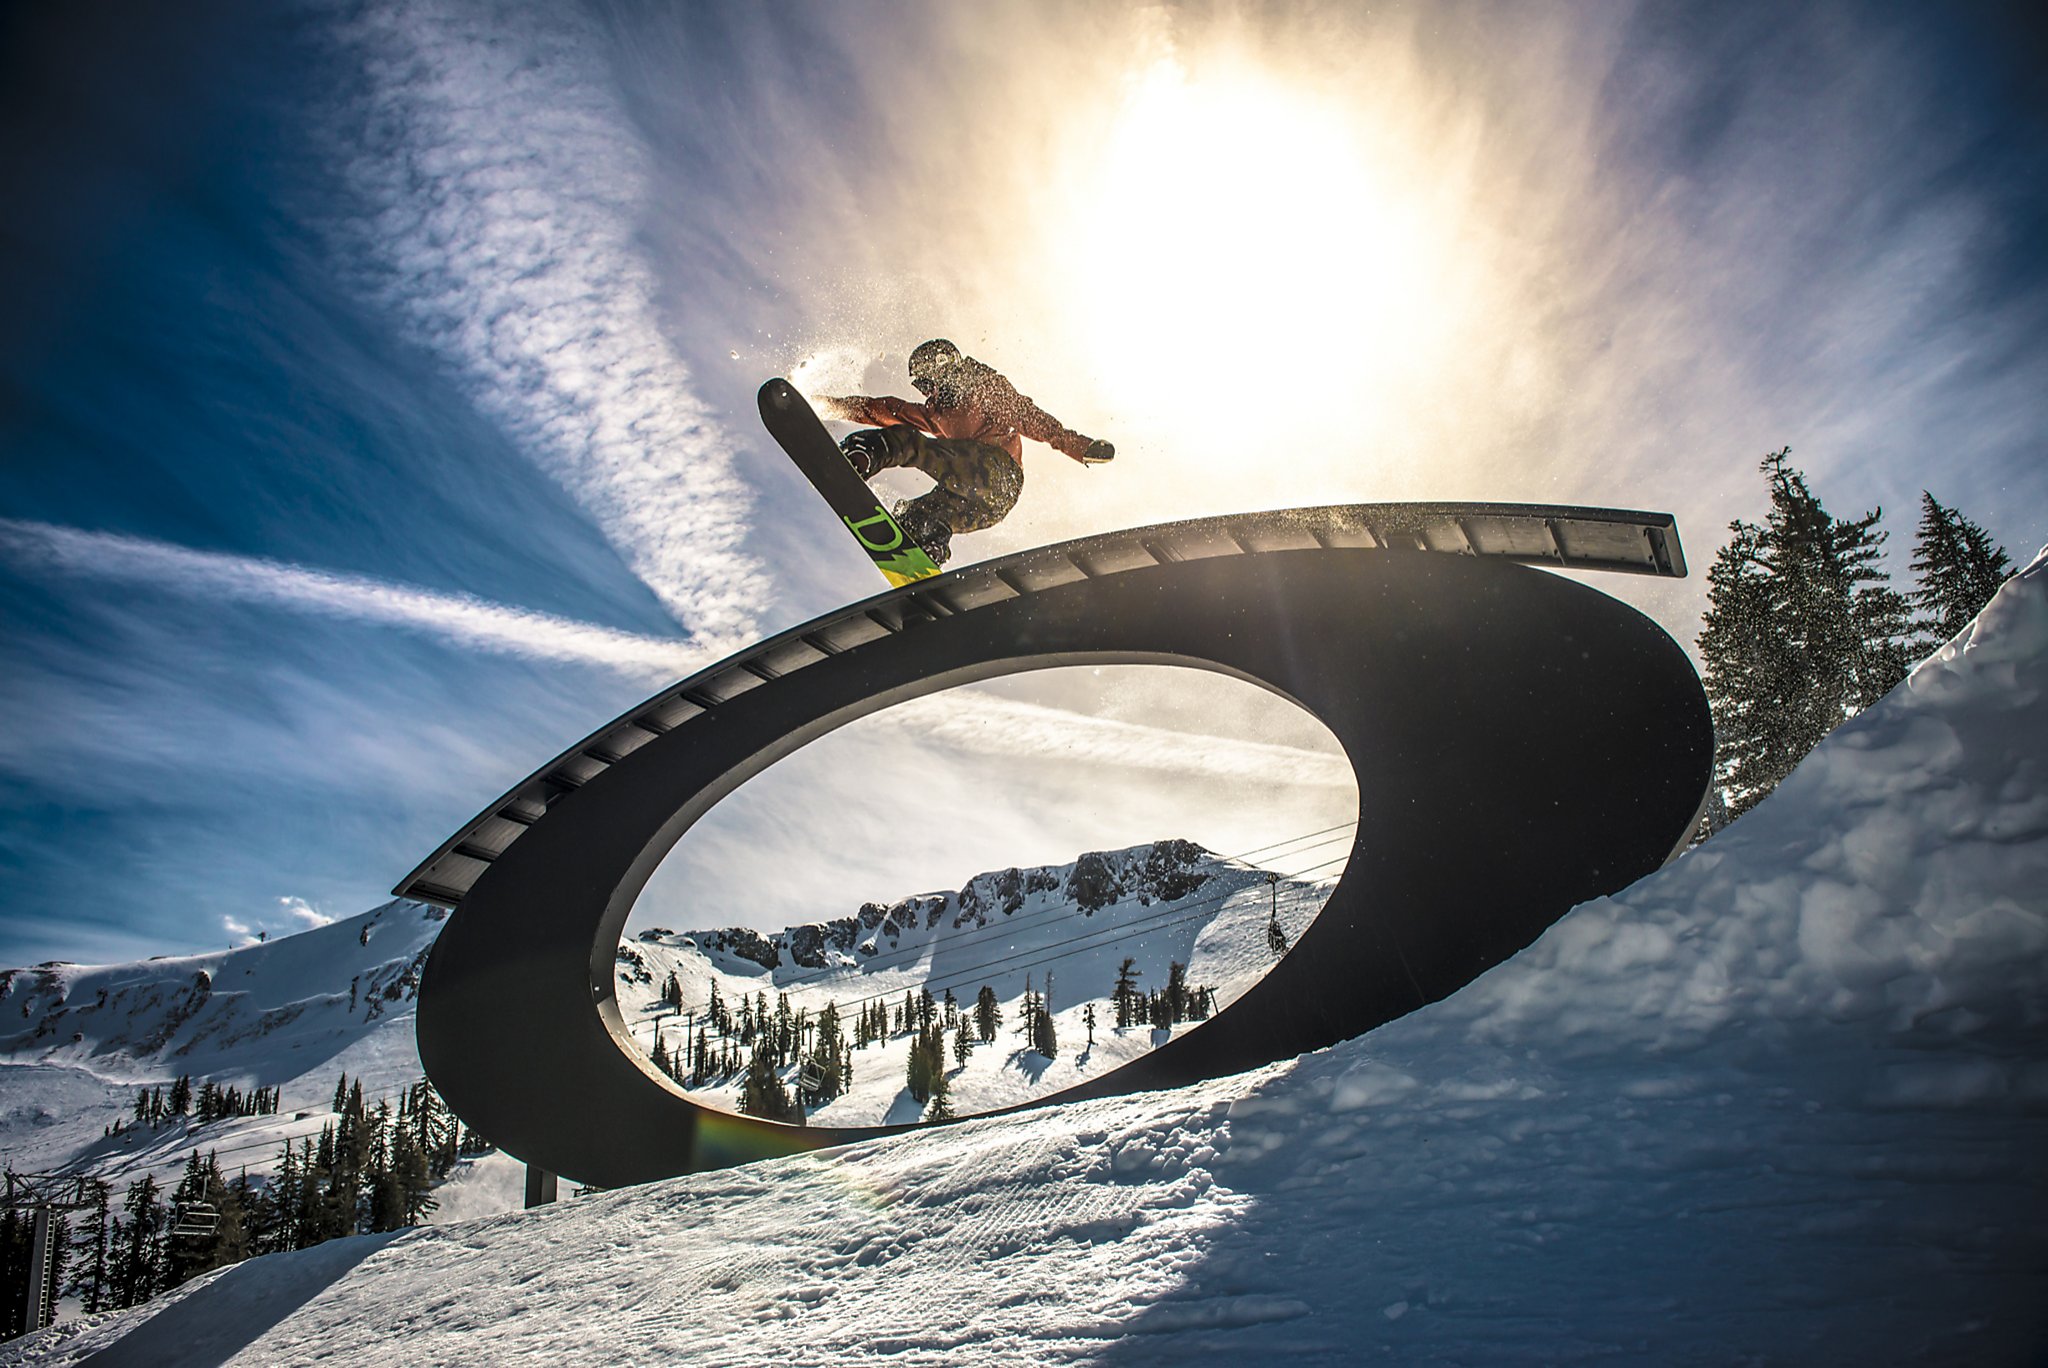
[
  {"x": 1784, "y": 1102},
  {"x": 1063, "y": 927},
  {"x": 78, "y": 1041}
]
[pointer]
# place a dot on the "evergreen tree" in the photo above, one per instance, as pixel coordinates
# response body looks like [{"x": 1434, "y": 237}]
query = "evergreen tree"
[
  {"x": 1802, "y": 630},
  {"x": 90, "y": 1283},
  {"x": 234, "y": 1241},
  {"x": 1124, "y": 997},
  {"x": 138, "y": 1270},
  {"x": 941, "y": 1106},
  {"x": 764, "y": 1093},
  {"x": 14, "y": 1267},
  {"x": 963, "y": 1043},
  {"x": 1958, "y": 569},
  {"x": 925, "y": 1069},
  {"x": 987, "y": 1014},
  {"x": 828, "y": 1060}
]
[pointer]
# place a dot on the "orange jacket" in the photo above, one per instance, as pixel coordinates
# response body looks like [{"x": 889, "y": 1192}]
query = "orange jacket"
[{"x": 990, "y": 410}]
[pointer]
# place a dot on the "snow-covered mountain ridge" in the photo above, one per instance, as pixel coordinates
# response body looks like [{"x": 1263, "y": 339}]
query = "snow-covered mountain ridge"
[
  {"x": 1166, "y": 870},
  {"x": 292, "y": 1013},
  {"x": 258, "y": 1012}
]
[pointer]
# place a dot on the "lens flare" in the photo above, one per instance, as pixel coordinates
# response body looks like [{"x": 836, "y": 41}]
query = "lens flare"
[{"x": 1238, "y": 227}]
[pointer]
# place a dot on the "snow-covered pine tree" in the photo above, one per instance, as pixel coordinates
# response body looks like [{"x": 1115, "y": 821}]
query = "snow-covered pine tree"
[
  {"x": 1958, "y": 568},
  {"x": 1802, "y": 630}
]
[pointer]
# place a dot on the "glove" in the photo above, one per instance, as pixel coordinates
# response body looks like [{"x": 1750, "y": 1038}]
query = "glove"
[
  {"x": 865, "y": 451},
  {"x": 1098, "y": 452}
]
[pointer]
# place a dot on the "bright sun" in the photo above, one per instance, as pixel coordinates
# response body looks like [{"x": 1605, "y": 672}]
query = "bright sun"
[{"x": 1238, "y": 232}]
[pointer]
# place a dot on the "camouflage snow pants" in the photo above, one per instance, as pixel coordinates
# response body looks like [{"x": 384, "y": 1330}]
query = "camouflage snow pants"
[{"x": 976, "y": 486}]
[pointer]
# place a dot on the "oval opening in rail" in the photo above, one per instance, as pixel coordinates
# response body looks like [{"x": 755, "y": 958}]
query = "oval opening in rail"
[{"x": 950, "y": 890}]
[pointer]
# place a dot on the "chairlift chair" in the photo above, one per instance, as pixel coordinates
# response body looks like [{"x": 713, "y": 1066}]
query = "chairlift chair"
[{"x": 194, "y": 1220}]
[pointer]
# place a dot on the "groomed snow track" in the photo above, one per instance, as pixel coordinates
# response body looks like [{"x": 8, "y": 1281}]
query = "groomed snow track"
[{"x": 1522, "y": 743}]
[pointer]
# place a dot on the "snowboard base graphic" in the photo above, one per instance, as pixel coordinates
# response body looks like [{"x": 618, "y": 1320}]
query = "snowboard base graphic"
[{"x": 798, "y": 431}]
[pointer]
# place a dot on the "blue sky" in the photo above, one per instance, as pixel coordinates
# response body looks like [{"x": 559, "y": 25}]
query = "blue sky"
[{"x": 376, "y": 380}]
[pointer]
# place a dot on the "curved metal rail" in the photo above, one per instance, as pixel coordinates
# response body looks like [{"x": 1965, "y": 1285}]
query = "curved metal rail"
[
  {"x": 1522, "y": 743},
  {"x": 1619, "y": 540}
]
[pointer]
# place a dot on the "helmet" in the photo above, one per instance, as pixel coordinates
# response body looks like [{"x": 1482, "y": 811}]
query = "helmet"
[{"x": 931, "y": 358}]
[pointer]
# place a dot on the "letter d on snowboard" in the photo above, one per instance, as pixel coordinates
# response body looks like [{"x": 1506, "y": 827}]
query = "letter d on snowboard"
[{"x": 882, "y": 517}]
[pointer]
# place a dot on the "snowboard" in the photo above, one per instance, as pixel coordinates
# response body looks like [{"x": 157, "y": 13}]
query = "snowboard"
[{"x": 798, "y": 431}]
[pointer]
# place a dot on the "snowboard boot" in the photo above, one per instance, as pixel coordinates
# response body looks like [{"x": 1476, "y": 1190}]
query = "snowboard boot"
[{"x": 922, "y": 527}]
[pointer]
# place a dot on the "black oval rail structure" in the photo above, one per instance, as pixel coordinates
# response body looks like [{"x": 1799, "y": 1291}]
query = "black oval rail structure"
[{"x": 1522, "y": 743}]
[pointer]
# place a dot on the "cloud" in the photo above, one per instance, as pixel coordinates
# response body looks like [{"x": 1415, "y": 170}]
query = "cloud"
[
  {"x": 977, "y": 724},
  {"x": 502, "y": 189},
  {"x": 456, "y": 618},
  {"x": 240, "y": 930},
  {"x": 305, "y": 912}
]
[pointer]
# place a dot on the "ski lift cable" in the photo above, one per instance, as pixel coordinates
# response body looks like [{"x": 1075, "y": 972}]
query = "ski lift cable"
[
  {"x": 1103, "y": 936},
  {"x": 996, "y": 930},
  {"x": 1071, "y": 946},
  {"x": 1182, "y": 914}
]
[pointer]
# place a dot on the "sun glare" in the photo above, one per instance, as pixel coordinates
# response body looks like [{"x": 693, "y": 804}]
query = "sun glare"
[{"x": 1238, "y": 232}]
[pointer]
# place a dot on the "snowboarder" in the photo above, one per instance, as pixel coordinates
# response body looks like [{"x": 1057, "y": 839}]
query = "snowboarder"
[{"x": 967, "y": 435}]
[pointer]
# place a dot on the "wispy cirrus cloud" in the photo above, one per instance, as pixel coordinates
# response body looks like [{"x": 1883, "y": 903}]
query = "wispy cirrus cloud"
[
  {"x": 974, "y": 723},
  {"x": 455, "y": 618},
  {"x": 501, "y": 188}
]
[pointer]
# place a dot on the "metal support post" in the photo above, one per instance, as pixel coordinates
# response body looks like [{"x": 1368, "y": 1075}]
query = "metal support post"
[{"x": 39, "y": 1298}]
